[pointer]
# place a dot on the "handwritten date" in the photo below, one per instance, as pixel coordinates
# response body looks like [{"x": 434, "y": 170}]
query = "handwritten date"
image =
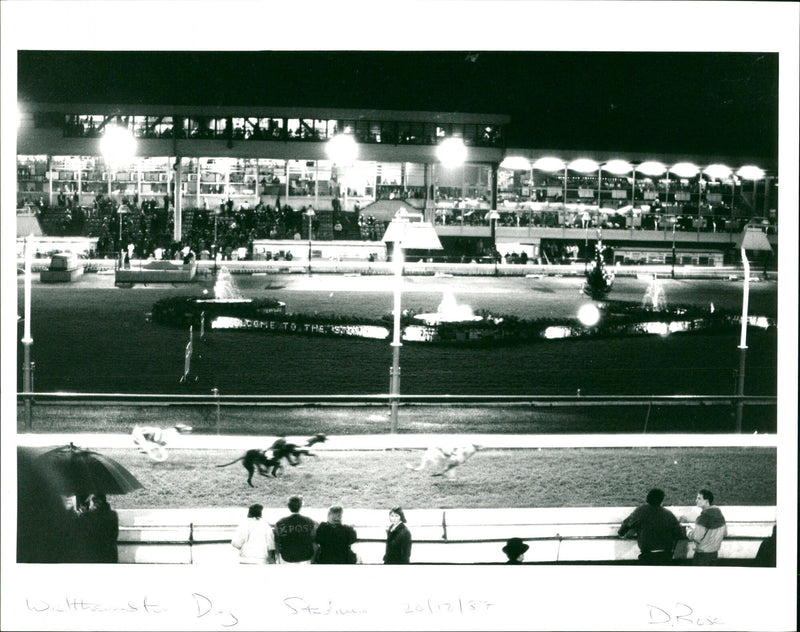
[{"x": 449, "y": 606}]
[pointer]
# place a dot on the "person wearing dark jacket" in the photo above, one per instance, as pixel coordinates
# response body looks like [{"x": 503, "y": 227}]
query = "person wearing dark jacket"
[
  {"x": 657, "y": 530},
  {"x": 294, "y": 535},
  {"x": 767, "y": 550},
  {"x": 102, "y": 530},
  {"x": 398, "y": 539},
  {"x": 334, "y": 540}
]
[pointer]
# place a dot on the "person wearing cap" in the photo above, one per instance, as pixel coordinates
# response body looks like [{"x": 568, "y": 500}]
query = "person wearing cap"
[
  {"x": 515, "y": 550},
  {"x": 657, "y": 530}
]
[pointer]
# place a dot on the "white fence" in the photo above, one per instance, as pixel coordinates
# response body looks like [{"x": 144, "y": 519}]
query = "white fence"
[{"x": 446, "y": 536}]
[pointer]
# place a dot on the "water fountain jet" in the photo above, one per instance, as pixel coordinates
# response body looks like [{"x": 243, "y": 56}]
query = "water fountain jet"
[{"x": 449, "y": 312}]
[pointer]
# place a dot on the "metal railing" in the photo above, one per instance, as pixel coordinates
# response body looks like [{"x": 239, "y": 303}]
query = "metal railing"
[
  {"x": 449, "y": 536},
  {"x": 523, "y": 414}
]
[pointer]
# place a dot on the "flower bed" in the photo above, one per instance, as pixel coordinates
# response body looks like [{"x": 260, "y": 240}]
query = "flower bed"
[{"x": 270, "y": 315}]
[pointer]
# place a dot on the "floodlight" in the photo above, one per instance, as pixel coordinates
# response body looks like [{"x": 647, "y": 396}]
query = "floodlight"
[
  {"x": 548, "y": 164},
  {"x": 685, "y": 170},
  {"x": 651, "y": 168},
  {"x": 452, "y": 152},
  {"x": 750, "y": 172},
  {"x": 342, "y": 149},
  {"x": 718, "y": 172},
  {"x": 515, "y": 163},
  {"x": 617, "y": 167},
  {"x": 117, "y": 144},
  {"x": 583, "y": 165}
]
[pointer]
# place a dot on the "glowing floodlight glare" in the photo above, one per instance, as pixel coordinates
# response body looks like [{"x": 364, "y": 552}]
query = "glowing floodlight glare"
[
  {"x": 515, "y": 163},
  {"x": 750, "y": 172},
  {"x": 685, "y": 170},
  {"x": 117, "y": 144},
  {"x": 549, "y": 164},
  {"x": 342, "y": 149},
  {"x": 617, "y": 167},
  {"x": 583, "y": 165},
  {"x": 452, "y": 152},
  {"x": 718, "y": 172},
  {"x": 589, "y": 315},
  {"x": 651, "y": 168}
]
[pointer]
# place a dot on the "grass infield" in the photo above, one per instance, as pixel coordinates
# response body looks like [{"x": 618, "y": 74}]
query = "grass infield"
[{"x": 550, "y": 477}]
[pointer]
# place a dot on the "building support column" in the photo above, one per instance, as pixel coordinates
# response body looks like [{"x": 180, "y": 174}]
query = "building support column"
[
  {"x": 493, "y": 185},
  {"x": 430, "y": 201},
  {"x": 178, "y": 198},
  {"x": 316, "y": 184}
]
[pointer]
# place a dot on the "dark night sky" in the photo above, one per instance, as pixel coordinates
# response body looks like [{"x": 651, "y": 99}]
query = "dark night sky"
[{"x": 695, "y": 103}]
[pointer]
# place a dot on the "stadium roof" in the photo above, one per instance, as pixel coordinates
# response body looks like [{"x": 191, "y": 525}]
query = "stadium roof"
[{"x": 666, "y": 102}]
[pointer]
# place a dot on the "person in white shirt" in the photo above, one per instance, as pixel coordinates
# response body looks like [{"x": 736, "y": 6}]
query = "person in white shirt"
[{"x": 254, "y": 539}]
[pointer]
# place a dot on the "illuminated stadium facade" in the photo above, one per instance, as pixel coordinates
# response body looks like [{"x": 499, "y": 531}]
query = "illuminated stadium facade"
[{"x": 192, "y": 159}]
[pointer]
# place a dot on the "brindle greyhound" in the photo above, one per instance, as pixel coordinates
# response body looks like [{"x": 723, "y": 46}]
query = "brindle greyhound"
[
  {"x": 268, "y": 461},
  {"x": 253, "y": 460}
]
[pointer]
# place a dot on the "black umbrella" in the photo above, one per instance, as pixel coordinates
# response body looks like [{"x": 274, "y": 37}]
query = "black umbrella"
[{"x": 79, "y": 472}]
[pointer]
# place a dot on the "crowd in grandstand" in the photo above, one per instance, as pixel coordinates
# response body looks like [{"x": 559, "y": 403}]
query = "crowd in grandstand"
[{"x": 147, "y": 223}]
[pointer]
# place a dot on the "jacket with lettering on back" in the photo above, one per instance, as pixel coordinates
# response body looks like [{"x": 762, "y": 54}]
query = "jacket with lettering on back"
[{"x": 294, "y": 538}]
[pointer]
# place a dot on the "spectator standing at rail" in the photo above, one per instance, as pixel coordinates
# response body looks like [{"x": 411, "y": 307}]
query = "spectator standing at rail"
[
  {"x": 767, "y": 550},
  {"x": 709, "y": 530},
  {"x": 101, "y": 528},
  {"x": 294, "y": 535},
  {"x": 398, "y": 539},
  {"x": 657, "y": 530},
  {"x": 254, "y": 538},
  {"x": 334, "y": 540}
]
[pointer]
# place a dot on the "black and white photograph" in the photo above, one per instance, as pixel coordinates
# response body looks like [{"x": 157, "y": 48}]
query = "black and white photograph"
[{"x": 452, "y": 286}]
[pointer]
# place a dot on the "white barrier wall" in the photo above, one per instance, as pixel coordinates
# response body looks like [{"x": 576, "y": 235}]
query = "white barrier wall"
[{"x": 451, "y": 536}]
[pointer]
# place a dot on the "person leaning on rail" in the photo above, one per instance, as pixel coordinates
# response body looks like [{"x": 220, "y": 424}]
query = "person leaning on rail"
[
  {"x": 657, "y": 530},
  {"x": 294, "y": 535},
  {"x": 398, "y": 539},
  {"x": 709, "y": 530},
  {"x": 254, "y": 538}
]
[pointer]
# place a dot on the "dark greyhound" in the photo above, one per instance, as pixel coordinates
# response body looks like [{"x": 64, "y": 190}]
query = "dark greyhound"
[
  {"x": 253, "y": 460},
  {"x": 292, "y": 452},
  {"x": 268, "y": 461}
]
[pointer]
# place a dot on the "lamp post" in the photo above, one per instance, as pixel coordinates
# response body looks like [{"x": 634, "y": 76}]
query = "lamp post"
[
  {"x": 751, "y": 239},
  {"x": 493, "y": 217},
  {"x": 27, "y": 340},
  {"x": 342, "y": 149},
  {"x": 214, "y": 246},
  {"x": 117, "y": 147},
  {"x": 310, "y": 214},
  {"x": 403, "y": 234},
  {"x": 122, "y": 210},
  {"x": 674, "y": 221},
  {"x": 397, "y": 260}
]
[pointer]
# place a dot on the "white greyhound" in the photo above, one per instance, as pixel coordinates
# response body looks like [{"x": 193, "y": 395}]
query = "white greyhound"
[
  {"x": 152, "y": 440},
  {"x": 444, "y": 460}
]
